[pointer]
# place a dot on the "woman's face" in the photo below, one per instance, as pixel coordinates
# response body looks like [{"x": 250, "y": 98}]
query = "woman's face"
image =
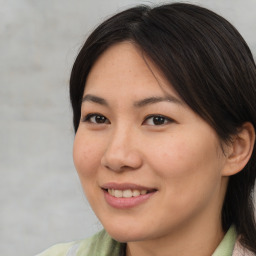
[{"x": 149, "y": 166}]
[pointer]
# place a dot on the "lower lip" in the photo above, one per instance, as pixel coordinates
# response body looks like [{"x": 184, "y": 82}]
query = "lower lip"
[{"x": 125, "y": 203}]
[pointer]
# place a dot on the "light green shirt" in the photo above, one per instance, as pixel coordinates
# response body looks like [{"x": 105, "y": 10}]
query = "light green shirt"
[
  {"x": 227, "y": 244},
  {"x": 101, "y": 244}
]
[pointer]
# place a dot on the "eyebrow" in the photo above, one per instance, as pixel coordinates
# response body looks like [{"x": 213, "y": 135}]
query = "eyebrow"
[
  {"x": 152, "y": 100},
  {"x": 140, "y": 103},
  {"x": 95, "y": 99}
]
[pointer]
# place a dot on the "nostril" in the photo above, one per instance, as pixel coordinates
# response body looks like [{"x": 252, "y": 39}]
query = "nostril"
[{"x": 118, "y": 159}]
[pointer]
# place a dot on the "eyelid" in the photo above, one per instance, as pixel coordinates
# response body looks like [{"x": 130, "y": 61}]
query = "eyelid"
[
  {"x": 87, "y": 118},
  {"x": 168, "y": 119}
]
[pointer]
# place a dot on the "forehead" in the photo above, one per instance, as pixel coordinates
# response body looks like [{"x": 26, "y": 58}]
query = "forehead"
[{"x": 124, "y": 66}]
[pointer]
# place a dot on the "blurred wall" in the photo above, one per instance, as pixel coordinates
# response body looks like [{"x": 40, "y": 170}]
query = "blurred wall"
[{"x": 40, "y": 195}]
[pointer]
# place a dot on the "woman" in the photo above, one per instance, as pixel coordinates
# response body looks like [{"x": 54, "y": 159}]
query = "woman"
[{"x": 164, "y": 113}]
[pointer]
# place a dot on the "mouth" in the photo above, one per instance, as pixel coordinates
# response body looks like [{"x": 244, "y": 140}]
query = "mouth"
[{"x": 128, "y": 193}]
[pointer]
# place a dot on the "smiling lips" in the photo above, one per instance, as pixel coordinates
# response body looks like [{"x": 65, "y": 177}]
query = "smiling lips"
[
  {"x": 126, "y": 193},
  {"x": 124, "y": 196}
]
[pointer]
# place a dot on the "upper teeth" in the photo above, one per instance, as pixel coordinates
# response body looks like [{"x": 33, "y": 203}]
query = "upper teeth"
[{"x": 126, "y": 193}]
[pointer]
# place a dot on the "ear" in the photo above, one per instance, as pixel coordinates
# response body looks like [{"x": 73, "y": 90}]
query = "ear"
[{"x": 239, "y": 151}]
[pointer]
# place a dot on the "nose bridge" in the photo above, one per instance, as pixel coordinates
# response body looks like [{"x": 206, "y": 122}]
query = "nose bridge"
[
  {"x": 121, "y": 151},
  {"x": 120, "y": 137}
]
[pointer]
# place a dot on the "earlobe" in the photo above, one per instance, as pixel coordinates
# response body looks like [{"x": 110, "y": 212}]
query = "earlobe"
[{"x": 240, "y": 150}]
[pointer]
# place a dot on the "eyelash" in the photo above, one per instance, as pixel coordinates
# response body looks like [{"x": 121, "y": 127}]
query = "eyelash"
[
  {"x": 158, "y": 118},
  {"x": 88, "y": 117}
]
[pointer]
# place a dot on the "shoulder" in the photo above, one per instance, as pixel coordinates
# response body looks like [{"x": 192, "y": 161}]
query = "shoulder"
[
  {"x": 100, "y": 244},
  {"x": 57, "y": 250},
  {"x": 239, "y": 250}
]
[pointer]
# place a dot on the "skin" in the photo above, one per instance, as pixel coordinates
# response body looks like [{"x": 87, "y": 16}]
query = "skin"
[{"x": 181, "y": 158}]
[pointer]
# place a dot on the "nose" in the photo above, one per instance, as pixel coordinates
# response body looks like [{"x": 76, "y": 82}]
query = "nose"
[{"x": 122, "y": 152}]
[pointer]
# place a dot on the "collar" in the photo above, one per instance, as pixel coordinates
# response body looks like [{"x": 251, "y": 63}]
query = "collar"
[{"x": 227, "y": 244}]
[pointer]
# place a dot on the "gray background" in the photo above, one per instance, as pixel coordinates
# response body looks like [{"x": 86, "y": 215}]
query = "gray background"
[{"x": 40, "y": 195}]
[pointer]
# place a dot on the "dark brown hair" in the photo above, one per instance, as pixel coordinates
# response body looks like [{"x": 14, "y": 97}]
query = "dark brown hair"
[{"x": 209, "y": 65}]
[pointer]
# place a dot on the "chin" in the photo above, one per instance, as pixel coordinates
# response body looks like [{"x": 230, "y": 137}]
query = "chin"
[{"x": 125, "y": 235}]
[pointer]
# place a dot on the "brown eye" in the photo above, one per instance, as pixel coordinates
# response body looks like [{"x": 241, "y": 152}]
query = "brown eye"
[
  {"x": 96, "y": 119},
  {"x": 156, "y": 120},
  {"x": 100, "y": 119}
]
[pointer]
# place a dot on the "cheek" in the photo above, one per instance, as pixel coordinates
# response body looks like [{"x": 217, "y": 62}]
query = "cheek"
[
  {"x": 190, "y": 172},
  {"x": 187, "y": 161},
  {"x": 86, "y": 155}
]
